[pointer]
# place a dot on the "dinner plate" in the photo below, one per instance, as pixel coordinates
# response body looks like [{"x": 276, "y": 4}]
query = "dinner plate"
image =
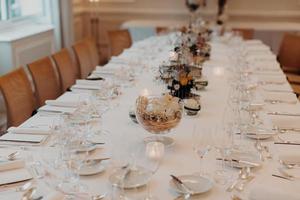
[
  {"x": 136, "y": 177},
  {"x": 91, "y": 169},
  {"x": 291, "y": 173},
  {"x": 196, "y": 184},
  {"x": 167, "y": 141},
  {"x": 290, "y": 137},
  {"x": 251, "y": 157}
]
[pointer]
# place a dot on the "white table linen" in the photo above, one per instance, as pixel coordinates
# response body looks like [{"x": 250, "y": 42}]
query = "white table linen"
[{"x": 179, "y": 159}]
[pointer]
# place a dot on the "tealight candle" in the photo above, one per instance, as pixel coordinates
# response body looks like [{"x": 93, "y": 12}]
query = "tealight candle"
[
  {"x": 155, "y": 150},
  {"x": 145, "y": 92}
]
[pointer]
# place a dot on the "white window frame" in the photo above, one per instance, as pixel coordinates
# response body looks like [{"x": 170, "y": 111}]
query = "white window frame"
[{"x": 45, "y": 17}]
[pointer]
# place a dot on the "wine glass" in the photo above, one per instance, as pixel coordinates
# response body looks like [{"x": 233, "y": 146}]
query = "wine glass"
[
  {"x": 154, "y": 153},
  {"x": 223, "y": 144},
  {"x": 201, "y": 144}
]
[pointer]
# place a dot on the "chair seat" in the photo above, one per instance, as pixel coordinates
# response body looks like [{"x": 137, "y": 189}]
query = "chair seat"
[
  {"x": 296, "y": 88},
  {"x": 293, "y": 78}
]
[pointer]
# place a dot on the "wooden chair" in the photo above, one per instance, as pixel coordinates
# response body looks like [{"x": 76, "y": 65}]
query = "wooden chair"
[
  {"x": 82, "y": 54},
  {"x": 18, "y": 96},
  {"x": 119, "y": 40},
  {"x": 66, "y": 69},
  {"x": 45, "y": 80},
  {"x": 94, "y": 53},
  {"x": 289, "y": 53},
  {"x": 246, "y": 33},
  {"x": 162, "y": 30}
]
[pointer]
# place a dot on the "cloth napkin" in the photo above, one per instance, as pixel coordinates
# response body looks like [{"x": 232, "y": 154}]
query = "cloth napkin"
[
  {"x": 58, "y": 109},
  {"x": 285, "y": 121},
  {"x": 280, "y": 88},
  {"x": 31, "y": 130},
  {"x": 14, "y": 175},
  {"x": 286, "y": 97},
  {"x": 89, "y": 82},
  {"x": 10, "y": 165},
  {"x": 60, "y": 103},
  {"x": 10, "y": 137},
  {"x": 288, "y": 155},
  {"x": 48, "y": 196},
  {"x": 271, "y": 79},
  {"x": 272, "y": 192},
  {"x": 86, "y": 87}
]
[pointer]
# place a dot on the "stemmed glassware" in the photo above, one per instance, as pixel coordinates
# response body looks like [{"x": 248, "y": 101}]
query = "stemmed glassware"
[{"x": 201, "y": 145}]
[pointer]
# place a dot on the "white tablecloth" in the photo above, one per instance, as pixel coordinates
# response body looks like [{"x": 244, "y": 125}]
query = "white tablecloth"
[{"x": 126, "y": 137}]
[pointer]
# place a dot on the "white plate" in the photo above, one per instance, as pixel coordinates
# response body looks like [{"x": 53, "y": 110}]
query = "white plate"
[
  {"x": 137, "y": 177},
  {"x": 290, "y": 137},
  {"x": 251, "y": 157},
  {"x": 197, "y": 184},
  {"x": 293, "y": 172},
  {"x": 92, "y": 169}
]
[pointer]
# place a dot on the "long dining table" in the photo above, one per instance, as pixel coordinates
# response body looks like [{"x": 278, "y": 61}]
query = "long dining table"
[{"x": 123, "y": 138}]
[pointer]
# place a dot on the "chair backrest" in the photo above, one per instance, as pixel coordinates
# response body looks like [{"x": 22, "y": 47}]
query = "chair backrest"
[
  {"x": 82, "y": 54},
  {"x": 246, "y": 33},
  {"x": 18, "y": 96},
  {"x": 94, "y": 53},
  {"x": 119, "y": 40},
  {"x": 289, "y": 53},
  {"x": 45, "y": 80},
  {"x": 66, "y": 68}
]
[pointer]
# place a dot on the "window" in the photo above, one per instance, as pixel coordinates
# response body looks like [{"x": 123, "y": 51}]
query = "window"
[{"x": 14, "y": 9}]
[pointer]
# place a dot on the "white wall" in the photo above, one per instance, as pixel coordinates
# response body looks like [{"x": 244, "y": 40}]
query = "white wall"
[{"x": 270, "y": 18}]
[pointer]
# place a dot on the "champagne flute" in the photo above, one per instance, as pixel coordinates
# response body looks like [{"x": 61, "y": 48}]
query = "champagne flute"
[{"x": 201, "y": 144}]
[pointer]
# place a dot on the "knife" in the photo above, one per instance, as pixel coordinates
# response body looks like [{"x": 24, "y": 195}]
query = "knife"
[
  {"x": 284, "y": 114},
  {"x": 241, "y": 162},
  {"x": 287, "y": 143},
  {"x": 177, "y": 180},
  {"x": 283, "y": 177}
]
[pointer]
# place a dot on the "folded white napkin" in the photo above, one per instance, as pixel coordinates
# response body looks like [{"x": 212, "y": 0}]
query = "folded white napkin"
[
  {"x": 86, "y": 87},
  {"x": 31, "y": 130},
  {"x": 271, "y": 79},
  {"x": 57, "y": 109},
  {"x": 60, "y": 103},
  {"x": 10, "y": 165},
  {"x": 286, "y": 97},
  {"x": 10, "y": 137},
  {"x": 278, "y": 192},
  {"x": 14, "y": 175},
  {"x": 278, "y": 88},
  {"x": 89, "y": 82},
  {"x": 285, "y": 122},
  {"x": 289, "y": 156},
  {"x": 105, "y": 70}
]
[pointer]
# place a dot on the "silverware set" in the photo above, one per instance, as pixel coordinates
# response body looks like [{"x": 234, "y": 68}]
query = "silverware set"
[
  {"x": 243, "y": 179},
  {"x": 276, "y": 101}
]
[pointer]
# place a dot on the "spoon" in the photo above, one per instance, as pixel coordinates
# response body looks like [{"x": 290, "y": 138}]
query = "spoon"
[
  {"x": 24, "y": 187},
  {"x": 287, "y": 165},
  {"x": 260, "y": 149},
  {"x": 98, "y": 197},
  {"x": 28, "y": 195}
]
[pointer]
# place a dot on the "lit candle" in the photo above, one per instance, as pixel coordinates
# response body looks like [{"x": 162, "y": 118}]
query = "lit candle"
[
  {"x": 155, "y": 150},
  {"x": 145, "y": 93}
]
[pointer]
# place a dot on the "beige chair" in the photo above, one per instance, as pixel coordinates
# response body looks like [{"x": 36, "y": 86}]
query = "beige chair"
[
  {"x": 289, "y": 53},
  {"x": 94, "y": 53},
  {"x": 83, "y": 56},
  {"x": 119, "y": 40},
  {"x": 246, "y": 33},
  {"x": 45, "y": 80},
  {"x": 66, "y": 68},
  {"x": 18, "y": 96}
]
